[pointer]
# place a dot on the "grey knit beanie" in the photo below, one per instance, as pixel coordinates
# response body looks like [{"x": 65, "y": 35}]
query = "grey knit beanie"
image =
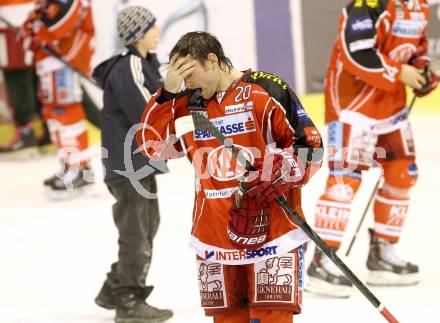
[{"x": 133, "y": 22}]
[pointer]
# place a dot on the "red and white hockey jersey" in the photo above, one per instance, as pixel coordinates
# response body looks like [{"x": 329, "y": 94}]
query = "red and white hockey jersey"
[
  {"x": 258, "y": 111},
  {"x": 375, "y": 38},
  {"x": 67, "y": 27}
]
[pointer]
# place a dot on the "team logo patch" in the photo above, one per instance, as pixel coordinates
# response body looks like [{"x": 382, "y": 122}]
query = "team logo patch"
[
  {"x": 211, "y": 284},
  {"x": 313, "y": 138},
  {"x": 223, "y": 166},
  {"x": 361, "y": 25},
  {"x": 275, "y": 279},
  {"x": 229, "y": 126}
]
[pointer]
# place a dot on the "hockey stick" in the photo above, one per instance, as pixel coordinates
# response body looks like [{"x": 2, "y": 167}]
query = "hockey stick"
[
  {"x": 367, "y": 207},
  {"x": 49, "y": 51},
  {"x": 201, "y": 122}
]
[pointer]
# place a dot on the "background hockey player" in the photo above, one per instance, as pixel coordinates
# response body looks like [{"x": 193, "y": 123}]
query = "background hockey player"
[
  {"x": 128, "y": 80},
  {"x": 28, "y": 136},
  {"x": 67, "y": 28},
  {"x": 19, "y": 77},
  {"x": 249, "y": 253},
  {"x": 379, "y": 50}
]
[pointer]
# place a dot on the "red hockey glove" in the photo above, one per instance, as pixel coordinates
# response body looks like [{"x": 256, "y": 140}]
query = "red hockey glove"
[
  {"x": 275, "y": 176},
  {"x": 431, "y": 80},
  {"x": 248, "y": 221}
]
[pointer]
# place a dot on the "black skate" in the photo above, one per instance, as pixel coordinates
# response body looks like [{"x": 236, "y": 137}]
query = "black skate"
[
  {"x": 323, "y": 277},
  {"x": 105, "y": 297},
  {"x": 56, "y": 177},
  {"x": 386, "y": 268},
  {"x": 107, "y": 300},
  {"x": 132, "y": 308},
  {"x": 23, "y": 147},
  {"x": 70, "y": 182}
]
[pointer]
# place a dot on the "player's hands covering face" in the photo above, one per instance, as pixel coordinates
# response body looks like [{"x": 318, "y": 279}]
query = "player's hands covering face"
[{"x": 179, "y": 68}]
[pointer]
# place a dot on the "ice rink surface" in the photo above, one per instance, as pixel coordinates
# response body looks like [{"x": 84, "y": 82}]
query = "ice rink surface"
[{"x": 54, "y": 255}]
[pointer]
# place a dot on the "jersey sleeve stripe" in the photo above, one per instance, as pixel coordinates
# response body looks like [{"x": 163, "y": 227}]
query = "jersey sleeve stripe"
[
  {"x": 144, "y": 130},
  {"x": 78, "y": 44},
  {"x": 136, "y": 71},
  {"x": 269, "y": 137},
  {"x": 364, "y": 100},
  {"x": 197, "y": 218}
]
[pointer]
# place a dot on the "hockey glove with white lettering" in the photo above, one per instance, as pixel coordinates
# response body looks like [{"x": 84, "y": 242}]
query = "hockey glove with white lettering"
[
  {"x": 431, "y": 80},
  {"x": 277, "y": 174},
  {"x": 249, "y": 221}
]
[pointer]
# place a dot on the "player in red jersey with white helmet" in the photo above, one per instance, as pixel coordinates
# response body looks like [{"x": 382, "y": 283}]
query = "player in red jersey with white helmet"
[
  {"x": 380, "y": 48},
  {"x": 250, "y": 255}
]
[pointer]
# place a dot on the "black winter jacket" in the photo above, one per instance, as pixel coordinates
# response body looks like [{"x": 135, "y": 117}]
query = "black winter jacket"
[{"x": 128, "y": 81}]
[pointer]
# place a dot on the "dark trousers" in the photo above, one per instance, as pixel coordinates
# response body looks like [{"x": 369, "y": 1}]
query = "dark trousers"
[
  {"x": 22, "y": 89},
  {"x": 137, "y": 220}
]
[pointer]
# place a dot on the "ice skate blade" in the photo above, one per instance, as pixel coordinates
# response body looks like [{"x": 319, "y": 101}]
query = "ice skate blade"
[
  {"x": 321, "y": 287},
  {"x": 21, "y": 154},
  {"x": 59, "y": 195},
  {"x": 386, "y": 278}
]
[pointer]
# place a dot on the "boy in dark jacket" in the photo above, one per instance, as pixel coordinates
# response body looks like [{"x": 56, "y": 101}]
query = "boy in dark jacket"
[{"x": 129, "y": 79}]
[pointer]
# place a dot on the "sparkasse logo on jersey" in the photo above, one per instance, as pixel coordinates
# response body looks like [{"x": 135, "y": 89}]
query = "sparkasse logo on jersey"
[{"x": 229, "y": 126}]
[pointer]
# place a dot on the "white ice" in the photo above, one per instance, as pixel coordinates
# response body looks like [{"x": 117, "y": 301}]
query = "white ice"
[{"x": 54, "y": 255}]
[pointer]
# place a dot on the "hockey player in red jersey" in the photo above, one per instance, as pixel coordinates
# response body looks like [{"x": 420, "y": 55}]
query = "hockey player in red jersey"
[
  {"x": 378, "y": 51},
  {"x": 250, "y": 255},
  {"x": 67, "y": 28},
  {"x": 19, "y": 79}
]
